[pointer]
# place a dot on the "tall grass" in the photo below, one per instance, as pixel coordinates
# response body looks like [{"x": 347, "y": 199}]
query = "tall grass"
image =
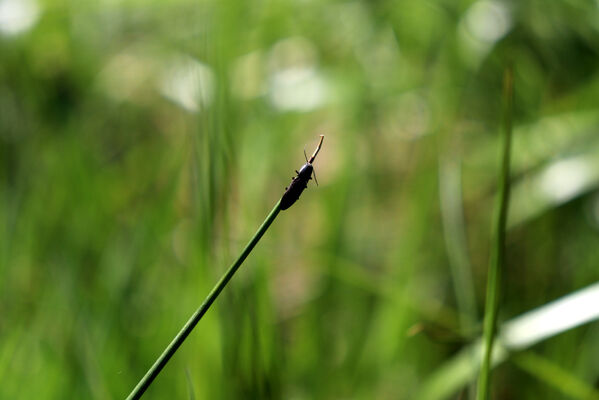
[
  {"x": 114, "y": 197},
  {"x": 496, "y": 264},
  {"x": 170, "y": 350}
]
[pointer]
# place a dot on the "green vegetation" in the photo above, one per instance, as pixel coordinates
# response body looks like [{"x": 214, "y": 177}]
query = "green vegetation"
[
  {"x": 174, "y": 345},
  {"x": 496, "y": 265},
  {"x": 142, "y": 142}
]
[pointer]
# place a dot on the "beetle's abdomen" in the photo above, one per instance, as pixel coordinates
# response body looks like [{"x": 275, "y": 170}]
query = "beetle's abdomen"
[{"x": 297, "y": 186}]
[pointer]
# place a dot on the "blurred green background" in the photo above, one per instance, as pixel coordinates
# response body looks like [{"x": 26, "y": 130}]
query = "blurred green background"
[{"x": 143, "y": 142}]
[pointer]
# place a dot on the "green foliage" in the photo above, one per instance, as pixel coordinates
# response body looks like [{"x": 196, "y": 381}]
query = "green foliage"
[
  {"x": 141, "y": 142},
  {"x": 180, "y": 338},
  {"x": 496, "y": 264}
]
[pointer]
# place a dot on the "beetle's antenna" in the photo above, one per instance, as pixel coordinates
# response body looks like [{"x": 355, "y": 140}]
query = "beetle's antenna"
[
  {"x": 317, "y": 150},
  {"x": 305, "y": 156},
  {"x": 314, "y": 175}
]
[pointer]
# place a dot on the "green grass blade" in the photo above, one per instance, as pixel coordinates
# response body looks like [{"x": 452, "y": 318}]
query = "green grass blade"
[
  {"x": 192, "y": 395},
  {"x": 554, "y": 375},
  {"x": 454, "y": 233},
  {"x": 498, "y": 243},
  {"x": 520, "y": 333},
  {"x": 170, "y": 350}
]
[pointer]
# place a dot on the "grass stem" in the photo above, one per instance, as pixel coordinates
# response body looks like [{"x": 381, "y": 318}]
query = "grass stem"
[
  {"x": 498, "y": 243},
  {"x": 170, "y": 350}
]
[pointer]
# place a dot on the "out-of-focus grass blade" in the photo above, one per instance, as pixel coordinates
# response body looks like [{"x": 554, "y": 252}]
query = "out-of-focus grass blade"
[
  {"x": 557, "y": 183},
  {"x": 519, "y": 333},
  {"x": 190, "y": 389},
  {"x": 537, "y": 143},
  {"x": 498, "y": 241},
  {"x": 556, "y": 157},
  {"x": 554, "y": 375},
  {"x": 450, "y": 197}
]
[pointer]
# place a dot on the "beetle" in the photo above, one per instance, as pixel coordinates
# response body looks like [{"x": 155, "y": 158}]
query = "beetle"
[{"x": 300, "y": 181}]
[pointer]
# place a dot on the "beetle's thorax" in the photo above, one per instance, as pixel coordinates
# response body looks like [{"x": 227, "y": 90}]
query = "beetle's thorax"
[{"x": 305, "y": 172}]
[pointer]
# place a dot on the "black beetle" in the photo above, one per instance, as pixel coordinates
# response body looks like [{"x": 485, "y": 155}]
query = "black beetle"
[{"x": 300, "y": 181}]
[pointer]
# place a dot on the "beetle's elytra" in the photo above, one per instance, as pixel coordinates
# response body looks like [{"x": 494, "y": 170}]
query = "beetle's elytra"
[{"x": 300, "y": 181}]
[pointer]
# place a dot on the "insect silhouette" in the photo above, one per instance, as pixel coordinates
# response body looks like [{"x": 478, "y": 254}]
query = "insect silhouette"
[{"x": 300, "y": 181}]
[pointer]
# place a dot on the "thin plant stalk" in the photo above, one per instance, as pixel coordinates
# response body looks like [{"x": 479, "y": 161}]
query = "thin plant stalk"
[
  {"x": 170, "y": 350},
  {"x": 498, "y": 243}
]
